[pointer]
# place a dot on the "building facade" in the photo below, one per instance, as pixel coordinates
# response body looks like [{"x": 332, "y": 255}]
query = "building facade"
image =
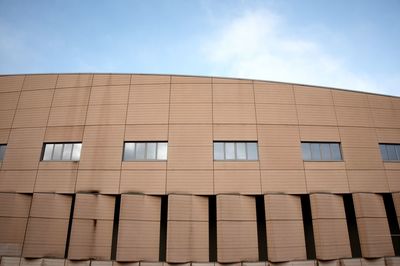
[{"x": 110, "y": 169}]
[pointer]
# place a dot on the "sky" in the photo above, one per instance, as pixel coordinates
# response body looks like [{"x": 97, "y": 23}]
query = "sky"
[{"x": 349, "y": 44}]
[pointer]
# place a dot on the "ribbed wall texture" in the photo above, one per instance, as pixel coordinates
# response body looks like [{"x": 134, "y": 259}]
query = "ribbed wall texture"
[{"x": 102, "y": 209}]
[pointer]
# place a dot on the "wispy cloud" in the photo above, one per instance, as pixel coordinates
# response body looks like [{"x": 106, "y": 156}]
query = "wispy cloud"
[{"x": 257, "y": 45}]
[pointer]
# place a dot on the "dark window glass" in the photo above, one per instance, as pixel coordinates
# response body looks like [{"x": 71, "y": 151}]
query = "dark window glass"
[
  {"x": 62, "y": 152},
  {"x": 315, "y": 152},
  {"x": 235, "y": 151},
  {"x": 390, "y": 152},
  {"x": 145, "y": 151},
  {"x": 321, "y": 151},
  {"x": 2, "y": 151},
  {"x": 335, "y": 151}
]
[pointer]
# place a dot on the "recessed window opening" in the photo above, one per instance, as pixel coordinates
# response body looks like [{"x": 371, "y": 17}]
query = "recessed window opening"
[
  {"x": 321, "y": 151},
  {"x": 144, "y": 151},
  {"x": 235, "y": 150},
  {"x": 62, "y": 151}
]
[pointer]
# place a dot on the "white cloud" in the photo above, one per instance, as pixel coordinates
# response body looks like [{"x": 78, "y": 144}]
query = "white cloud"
[{"x": 255, "y": 45}]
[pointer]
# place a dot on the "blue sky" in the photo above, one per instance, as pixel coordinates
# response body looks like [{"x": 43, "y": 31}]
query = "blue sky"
[{"x": 346, "y": 44}]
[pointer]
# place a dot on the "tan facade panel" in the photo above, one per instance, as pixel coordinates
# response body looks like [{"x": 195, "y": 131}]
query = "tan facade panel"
[
  {"x": 138, "y": 240},
  {"x": 39, "y": 82},
  {"x": 10, "y": 261},
  {"x": 282, "y": 207},
  {"x": 146, "y": 132},
  {"x": 104, "y": 136},
  {"x": 190, "y": 79},
  {"x": 330, "y": 226},
  {"x": 66, "y": 134},
  {"x": 233, "y": 93},
  {"x": 286, "y": 181},
  {"x": 106, "y": 114},
  {"x": 369, "y": 205},
  {"x": 4, "y": 133},
  {"x": 327, "y": 206},
  {"x": 353, "y": 116},
  {"x": 149, "y": 93},
  {"x": 55, "y": 206},
  {"x": 374, "y": 237},
  {"x": 111, "y": 79},
  {"x": 94, "y": 206},
  {"x": 6, "y": 118},
  {"x": 237, "y": 181},
  {"x": 331, "y": 239},
  {"x": 144, "y": 165},
  {"x": 273, "y": 93},
  {"x": 187, "y": 208},
  {"x": 316, "y": 115},
  {"x": 191, "y": 93},
  {"x": 235, "y": 132},
  {"x": 276, "y": 114},
  {"x": 236, "y": 208},
  {"x": 150, "y": 79},
  {"x": 319, "y": 133},
  {"x": 11, "y": 83},
  {"x": 17, "y": 181},
  {"x": 190, "y": 135},
  {"x": 312, "y": 96},
  {"x": 12, "y": 232},
  {"x": 367, "y": 181},
  {"x": 348, "y": 98},
  {"x": 386, "y": 118},
  {"x": 184, "y": 157},
  {"x": 285, "y": 240},
  {"x": 56, "y": 181},
  {"x": 378, "y": 101},
  {"x": 58, "y": 165},
  {"x": 280, "y": 158},
  {"x": 237, "y": 241},
  {"x": 140, "y": 207},
  {"x": 139, "y": 228},
  {"x": 109, "y": 95},
  {"x": 90, "y": 239},
  {"x": 14, "y": 205},
  {"x": 71, "y": 97},
  {"x": 45, "y": 237},
  {"x": 21, "y": 159},
  {"x": 67, "y": 116},
  {"x": 388, "y": 135},
  {"x": 194, "y": 113},
  {"x": 187, "y": 241},
  {"x": 362, "y": 158},
  {"x": 9, "y": 100},
  {"x": 32, "y": 117},
  {"x": 234, "y": 113},
  {"x": 190, "y": 181},
  {"x": 278, "y": 135},
  {"x": 101, "y": 158},
  {"x": 350, "y": 137},
  {"x": 23, "y": 138},
  {"x": 143, "y": 181},
  {"x": 147, "y": 113},
  {"x": 392, "y": 261},
  {"x": 100, "y": 181},
  {"x": 220, "y": 80},
  {"x": 333, "y": 181},
  {"x": 36, "y": 99},
  {"x": 74, "y": 80},
  {"x": 393, "y": 177}
]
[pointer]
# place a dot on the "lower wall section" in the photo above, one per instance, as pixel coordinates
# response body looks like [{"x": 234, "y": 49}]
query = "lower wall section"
[
  {"x": 178, "y": 228},
  {"x": 17, "y": 261}
]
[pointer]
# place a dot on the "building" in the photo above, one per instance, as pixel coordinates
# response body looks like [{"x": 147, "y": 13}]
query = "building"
[{"x": 119, "y": 168}]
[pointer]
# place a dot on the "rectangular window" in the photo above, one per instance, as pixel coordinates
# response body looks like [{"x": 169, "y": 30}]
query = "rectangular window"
[
  {"x": 2, "y": 151},
  {"x": 145, "y": 151},
  {"x": 321, "y": 151},
  {"x": 62, "y": 152},
  {"x": 235, "y": 151},
  {"x": 390, "y": 152}
]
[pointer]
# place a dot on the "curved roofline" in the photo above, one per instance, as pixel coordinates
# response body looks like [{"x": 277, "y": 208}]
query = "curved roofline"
[{"x": 202, "y": 76}]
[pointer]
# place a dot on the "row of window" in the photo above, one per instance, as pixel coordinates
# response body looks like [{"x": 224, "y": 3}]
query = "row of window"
[{"x": 223, "y": 151}]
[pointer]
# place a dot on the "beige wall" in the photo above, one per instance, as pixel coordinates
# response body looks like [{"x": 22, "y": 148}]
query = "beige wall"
[{"x": 102, "y": 111}]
